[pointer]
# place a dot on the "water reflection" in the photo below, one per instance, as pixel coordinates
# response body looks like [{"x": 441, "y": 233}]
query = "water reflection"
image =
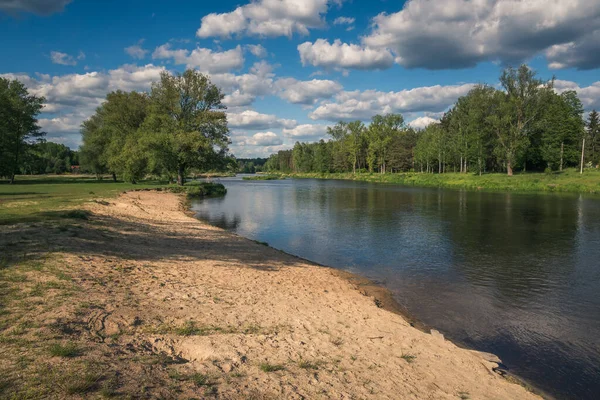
[{"x": 513, "y": 274}]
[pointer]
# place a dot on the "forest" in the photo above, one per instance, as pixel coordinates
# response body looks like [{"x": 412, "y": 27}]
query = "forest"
[
  {"x": 523, "y": 126},
  {"x": 178, "y": 127}
]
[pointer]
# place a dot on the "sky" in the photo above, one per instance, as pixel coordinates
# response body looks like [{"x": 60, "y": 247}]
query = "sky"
[{"x": 290, "y": 68}]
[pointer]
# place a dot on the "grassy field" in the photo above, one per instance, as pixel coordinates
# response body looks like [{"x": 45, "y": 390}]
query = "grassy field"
[
  {"x": 37, "y": 198},
  {"x": 566, "y": 181}
]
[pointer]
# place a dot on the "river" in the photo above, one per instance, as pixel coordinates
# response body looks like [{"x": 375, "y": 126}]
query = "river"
[{"x": 517, "y": 275}]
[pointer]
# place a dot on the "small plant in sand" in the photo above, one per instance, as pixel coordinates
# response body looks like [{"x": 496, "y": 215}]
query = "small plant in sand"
[
  {"x": 267, "y": 367},
  {"x": 409, "y": 358}
]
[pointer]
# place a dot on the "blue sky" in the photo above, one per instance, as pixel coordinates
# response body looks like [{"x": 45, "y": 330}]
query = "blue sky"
[{"x": 291, "y": 67}]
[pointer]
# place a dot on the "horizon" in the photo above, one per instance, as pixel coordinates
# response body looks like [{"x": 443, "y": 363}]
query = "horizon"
[{"x": 288, "y": 72}]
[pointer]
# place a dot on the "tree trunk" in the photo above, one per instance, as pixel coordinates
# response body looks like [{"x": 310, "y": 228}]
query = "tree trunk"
[
  {"x": 509, "y": 169},
  {"x": 181, "y": 175},
  {"x": 562, "y": 151},
  {"x": 114, "y": 176},
  {"x": 582, "y": 155}
]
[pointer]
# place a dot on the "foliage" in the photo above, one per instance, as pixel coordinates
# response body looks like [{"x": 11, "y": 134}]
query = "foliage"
[
  {"x": 18, "y": 124},
  {"x": 179, "y": 126},
  {"x": 525, "y": 126}
]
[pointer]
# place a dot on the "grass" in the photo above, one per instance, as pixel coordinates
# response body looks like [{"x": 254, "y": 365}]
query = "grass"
[
  {"x": 49, "y": 197},
  {"x": 409, "y": 358},
  {"x": 68, "y": 350},
  {"x": 267, "y": 367},
  {"x": 39, "y": 198},
  {"x": 569, "y": 180},
  {"x": 270, "y": 177}
]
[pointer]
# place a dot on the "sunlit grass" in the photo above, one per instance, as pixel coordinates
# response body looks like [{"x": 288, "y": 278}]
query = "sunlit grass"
[{"x": 567, "y": 181}]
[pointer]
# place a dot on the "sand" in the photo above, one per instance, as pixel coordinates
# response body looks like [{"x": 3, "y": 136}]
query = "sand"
[{"x": 251, "y": 321}]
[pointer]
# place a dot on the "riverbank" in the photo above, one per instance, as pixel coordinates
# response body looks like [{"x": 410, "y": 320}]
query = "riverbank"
[
  {"x": 566, "y": 181},
  {"x": 139, "y": 297}
]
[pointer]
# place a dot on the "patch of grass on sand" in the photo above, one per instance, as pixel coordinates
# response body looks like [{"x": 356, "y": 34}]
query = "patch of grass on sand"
[
  {"x": 47, "y": 197},
  {"x": 409, "y": 358},
  {"x": 569, "y": 180},
  {"x": 267, "y": 367}
]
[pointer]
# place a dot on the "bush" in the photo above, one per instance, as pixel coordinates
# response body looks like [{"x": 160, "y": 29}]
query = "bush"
[{"x": 200, "y": 189}]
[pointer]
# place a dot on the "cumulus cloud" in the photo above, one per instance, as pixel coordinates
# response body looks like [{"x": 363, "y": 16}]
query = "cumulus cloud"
[
  {"x": 462, "y": 33},
  {"x": 250, "y": 119},
  {"x": 257, "y": 50},
  {"x": 72, "y": 98},
  {"x": 306, "y": 132},
  {"x": 589, "y": 95},
  {"x": 262, "y": 139},
  {"x": 243, "y": 89},
  {"x": 362, "y": 105},
  {"x": 136, "y": 50},
  {"x": 349, "y": 21},
  {"x": 65, "y": 59},
  {"x": 306, "y": 92},
  {"x": 265, "y": 18},
  {"x": 422, "y": 122},
  {"x": 39, "y": 7},
  {"x": 338, "y": 55},
  {"x": 203, "y": 59}
]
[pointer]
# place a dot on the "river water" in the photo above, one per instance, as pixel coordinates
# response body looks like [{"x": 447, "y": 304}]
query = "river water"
[{"x": 517, "y": 275}]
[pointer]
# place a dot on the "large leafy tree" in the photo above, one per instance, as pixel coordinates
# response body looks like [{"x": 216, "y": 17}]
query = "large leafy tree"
[
  {"x": 593, "y": 138},
  {"x": 186, "y": 126},
  {"x": 519, "y": 109},
  {"x": 18, "y": 124},
  {"x": 111, "y": 136}
]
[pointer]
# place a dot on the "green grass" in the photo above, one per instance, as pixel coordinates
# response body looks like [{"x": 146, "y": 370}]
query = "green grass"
[
  {"x": 270, "y": 177},
  {"x": 38, "y": 198},
  {"x": 567, "y": 181},
  {"x": 68, "y": 350},
  {"x": 266, "y": 367}
]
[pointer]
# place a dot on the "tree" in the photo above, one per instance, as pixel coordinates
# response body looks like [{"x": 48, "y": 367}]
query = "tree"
[
  {"x": 380, "y": 133},
  {"x": 356, "y": 133},
  {"x": 18, "y": 124},
  {"x": 519, "y": 108},
  {"x": 593, "y": 138},
  {"x": 186, "y": 126}
]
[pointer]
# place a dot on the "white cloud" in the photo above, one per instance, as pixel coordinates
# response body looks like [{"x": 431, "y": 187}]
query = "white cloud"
[
  {"x": 343, "y": 21},
  {"x": 589, "y": 95},
  {"x": 136, "y": 50},
  {"x": 257, "y": 50},
  {"x": 266, "y": 18},
  {"x": 462, "y": 33},
  {"x": 65, "y": 59},
  {"x": 422, "y": 122},
  {"x": 72, "y": 98},
  {"x": 39, "y": 7},
  {"x": 363, "y": 105},
  {"x": 243, "y": 89},
  {"x": 203, "y": 59},
  {"x": 250, "y": 119},
  {"x": 338, "y": 55},
  {"x": 306, "y": 92},
  {"x": 306, "y": 132},
  {"x": 262, "y": 139}
]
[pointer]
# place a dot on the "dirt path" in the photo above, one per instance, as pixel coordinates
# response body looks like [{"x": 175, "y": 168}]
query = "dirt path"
[{"x": 162, "y": 305}]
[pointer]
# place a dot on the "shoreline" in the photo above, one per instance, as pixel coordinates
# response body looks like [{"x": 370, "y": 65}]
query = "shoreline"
[
  {"x": 385, "y": 300},
  {"x": 137, "y": 296},
  {"x": 528, "y": 183}
]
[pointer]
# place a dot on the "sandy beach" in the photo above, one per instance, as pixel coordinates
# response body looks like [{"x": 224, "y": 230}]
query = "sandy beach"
[{"x": 167, "y": 306}]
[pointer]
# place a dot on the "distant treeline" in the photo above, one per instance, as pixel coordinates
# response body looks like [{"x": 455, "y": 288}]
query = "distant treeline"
[
  {"x": 250, "y": 165},
  {"x": 526, "y": 126}
]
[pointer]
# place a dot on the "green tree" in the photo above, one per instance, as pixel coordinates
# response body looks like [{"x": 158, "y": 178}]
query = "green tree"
[
  {"x": 519, "y": 108},
  {"x": 186, "y": 126},
  {"x": 18, "y": 124},
  {"x": 593, "y": 138}
]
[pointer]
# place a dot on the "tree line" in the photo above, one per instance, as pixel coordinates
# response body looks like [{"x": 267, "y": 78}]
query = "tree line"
[
  {"x": 178, "y": 127},
  {"x": 524, "y": 125}
]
